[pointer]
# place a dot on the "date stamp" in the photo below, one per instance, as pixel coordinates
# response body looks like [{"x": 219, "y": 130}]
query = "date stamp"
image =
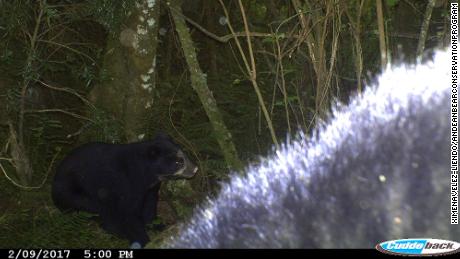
[
  {"x": 70, "y": 253},
  {"x": 38, "y": 254}
]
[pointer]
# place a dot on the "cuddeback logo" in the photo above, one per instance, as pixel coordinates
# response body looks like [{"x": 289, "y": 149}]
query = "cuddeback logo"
[{"x": 419, "y": 246}]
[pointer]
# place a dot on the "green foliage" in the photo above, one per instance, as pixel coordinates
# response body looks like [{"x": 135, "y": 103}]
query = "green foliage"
[
  {"x": 274, "y": 38},
  {"x": 40, "y": 42},
  {"x": 111, "y": 14},
  {"x": 13, "y": 97},
  {"x": 216, "y": 168},
  {"x": 105, "y": 128},
  {"x": 290, "y": 99},
  {"x": 391, "y": 3},
  {"x": 6, "y": 56},
  {"x": 88, "y": 74},
  {"x": 41, "y": 140},
  {"x": 181, "y": 196},
  {"x": 257, "y": 9},
  {"x": 41, "y": 228},
  {"x": 72, "y": 39}
]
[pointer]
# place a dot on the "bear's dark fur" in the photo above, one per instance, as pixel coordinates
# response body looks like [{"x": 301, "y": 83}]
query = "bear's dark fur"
[
  {"x": 379, "y": 170},
  {"x": 120, "y": 182}
]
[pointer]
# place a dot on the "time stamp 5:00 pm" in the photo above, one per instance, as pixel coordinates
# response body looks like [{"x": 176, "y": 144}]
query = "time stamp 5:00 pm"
[{"x": 69, "y": 253}]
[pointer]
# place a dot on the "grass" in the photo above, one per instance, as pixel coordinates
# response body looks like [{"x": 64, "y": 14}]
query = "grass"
[{"x": 30, "y": 220}]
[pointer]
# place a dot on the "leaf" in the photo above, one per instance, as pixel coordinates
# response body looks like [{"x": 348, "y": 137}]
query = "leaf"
[{"x": 391, "y": 3}]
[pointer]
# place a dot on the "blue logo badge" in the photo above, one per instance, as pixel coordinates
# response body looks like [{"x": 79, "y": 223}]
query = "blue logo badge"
[{"x": 419, "y": 246}]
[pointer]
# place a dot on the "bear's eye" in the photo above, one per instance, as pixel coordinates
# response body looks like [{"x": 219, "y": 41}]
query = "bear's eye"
[{"x": 180, "y": 162}]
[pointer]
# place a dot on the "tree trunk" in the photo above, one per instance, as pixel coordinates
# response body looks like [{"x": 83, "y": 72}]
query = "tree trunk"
[
  {"x": 199, "y": 84},
  {"x": 383, "y": 46},
  {"x": 424, "y": 28},
  {"x": 130, "y": 62}
]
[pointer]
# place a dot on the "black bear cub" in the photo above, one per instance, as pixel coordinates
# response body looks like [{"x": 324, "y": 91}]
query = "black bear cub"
[{"x": 119, "y": 182}]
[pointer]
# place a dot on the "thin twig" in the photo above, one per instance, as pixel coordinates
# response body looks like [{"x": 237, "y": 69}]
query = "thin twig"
[
  {"x": 61, "y": 111},
  {"x": 221, "y": 39},
  {"x": 28, "y": 187},
  {"x": 68, "y": 90},
  {"x": 69, "y": 48},
  {"x": 251, "y": 71}
]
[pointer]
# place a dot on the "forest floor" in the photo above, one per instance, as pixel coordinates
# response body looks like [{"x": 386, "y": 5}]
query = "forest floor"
[{"x": 28, "y": 219}]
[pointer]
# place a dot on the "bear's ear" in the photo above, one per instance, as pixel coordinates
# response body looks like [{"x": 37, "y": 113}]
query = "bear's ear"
[
  {"x": 154, "y": 150},
  {"x": 161, "y": 135}
]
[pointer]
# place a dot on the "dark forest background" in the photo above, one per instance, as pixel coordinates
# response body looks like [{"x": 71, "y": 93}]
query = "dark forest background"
[{"x": 227, "y": 79}]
